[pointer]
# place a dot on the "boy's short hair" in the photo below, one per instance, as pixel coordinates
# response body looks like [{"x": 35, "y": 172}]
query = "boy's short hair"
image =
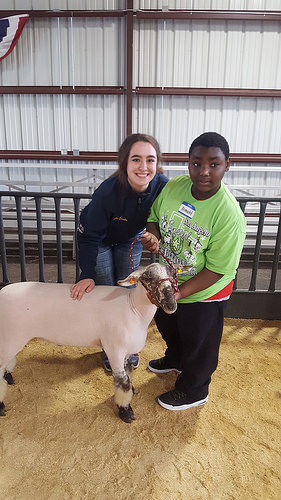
[{"x": 211, "y": 140}]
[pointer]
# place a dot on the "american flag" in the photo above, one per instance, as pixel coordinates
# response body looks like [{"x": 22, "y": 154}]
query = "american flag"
[{"x": 10, "y": 31}]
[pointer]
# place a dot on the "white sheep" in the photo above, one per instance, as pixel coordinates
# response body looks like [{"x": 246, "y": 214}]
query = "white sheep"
[{"x": 111, "y": 317}]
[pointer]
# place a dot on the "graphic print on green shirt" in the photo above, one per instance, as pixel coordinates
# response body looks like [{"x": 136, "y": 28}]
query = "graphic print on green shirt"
[{"x": 200, "y": 233}]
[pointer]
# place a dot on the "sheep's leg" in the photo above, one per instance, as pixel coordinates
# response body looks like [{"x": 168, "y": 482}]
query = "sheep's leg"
[
  {"x": 126, "y": 414},
  {"x": 3, "y": 389},
  {"x": 9, "y": 378},
  {"x": 2, "y": 409},
  {"x": 123, "y": 395},
  {"x": 9, "y": 368},
  {"x": 129, "y": 370}
]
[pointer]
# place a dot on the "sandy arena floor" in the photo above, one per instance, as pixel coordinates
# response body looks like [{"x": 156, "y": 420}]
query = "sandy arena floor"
[{"x": 61, "y": 438}]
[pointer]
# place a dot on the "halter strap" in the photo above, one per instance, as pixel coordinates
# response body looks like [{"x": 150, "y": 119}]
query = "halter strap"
[{"x": 174, "y": 281}]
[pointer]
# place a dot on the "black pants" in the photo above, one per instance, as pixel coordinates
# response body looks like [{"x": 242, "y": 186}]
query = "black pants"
[{"x": 193, "y": 335}]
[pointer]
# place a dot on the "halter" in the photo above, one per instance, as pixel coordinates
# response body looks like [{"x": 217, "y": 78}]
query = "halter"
[{"x": 174, "y": 282}]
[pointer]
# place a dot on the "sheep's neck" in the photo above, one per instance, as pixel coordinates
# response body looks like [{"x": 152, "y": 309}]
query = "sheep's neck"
[{"x": 140, "y": 303}]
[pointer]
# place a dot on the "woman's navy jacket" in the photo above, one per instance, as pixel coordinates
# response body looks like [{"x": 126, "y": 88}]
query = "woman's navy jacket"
[{"x": 114, "y": 215}]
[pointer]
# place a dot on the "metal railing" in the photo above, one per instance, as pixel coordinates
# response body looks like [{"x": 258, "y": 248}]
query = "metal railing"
[
  {"x": 39, "y": 219},
  {"x": 45, "y": 220},
  {"x": 84, "y": 177}
]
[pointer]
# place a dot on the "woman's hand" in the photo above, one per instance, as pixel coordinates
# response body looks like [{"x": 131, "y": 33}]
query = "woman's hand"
[
  {"x": 150, "y": 242},
  {"x": 84, "y": 286}
]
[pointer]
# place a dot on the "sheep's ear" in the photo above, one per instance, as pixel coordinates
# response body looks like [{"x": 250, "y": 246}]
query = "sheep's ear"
[{"x": 131, "y": 279}]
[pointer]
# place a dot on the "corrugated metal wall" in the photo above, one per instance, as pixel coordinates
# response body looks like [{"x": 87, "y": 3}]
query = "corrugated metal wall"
[
  {"x": 64, "y": 4},
  {"x": 142, "y": 4},
  {"x": 41, "y": 122},
  {"x": 67, "y": 51},
  {"x": 208, "y": 4},
  {"x": 250, "y": 124},
  {"x": 64, "y": 52},
  {"x": 182, "y": 53},
  {"x": 166, "y": 53}
]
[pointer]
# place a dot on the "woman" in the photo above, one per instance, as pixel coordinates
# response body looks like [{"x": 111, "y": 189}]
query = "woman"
[{"x": 116, "y": 216}]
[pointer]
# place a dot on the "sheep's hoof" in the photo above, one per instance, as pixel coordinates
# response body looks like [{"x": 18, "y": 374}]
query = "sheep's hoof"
[
  {"x": 2, "y": 409},
  {"x": 9, "y": 378},
  {"x": 126, "y": 413}
]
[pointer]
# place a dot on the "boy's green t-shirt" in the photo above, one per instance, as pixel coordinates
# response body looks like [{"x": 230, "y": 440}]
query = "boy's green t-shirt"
[{"x": 199, "y": 233}]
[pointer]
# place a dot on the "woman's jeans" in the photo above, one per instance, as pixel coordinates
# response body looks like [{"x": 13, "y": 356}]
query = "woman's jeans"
[{"x": 113, "y": 262}]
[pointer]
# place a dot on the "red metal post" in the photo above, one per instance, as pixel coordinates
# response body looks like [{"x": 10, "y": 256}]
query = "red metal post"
[{"x": 129, "y": 66}]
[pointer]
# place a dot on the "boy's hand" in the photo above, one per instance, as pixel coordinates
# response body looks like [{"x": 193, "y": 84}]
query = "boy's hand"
[
  {"x": 78, "y": 289},
  {"x": 177, "y": 295},
  {"x": 150, "y": 242}
]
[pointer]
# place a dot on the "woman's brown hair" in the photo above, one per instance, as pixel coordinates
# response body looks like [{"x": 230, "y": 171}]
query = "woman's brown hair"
[{"x": 124, "y": 151}]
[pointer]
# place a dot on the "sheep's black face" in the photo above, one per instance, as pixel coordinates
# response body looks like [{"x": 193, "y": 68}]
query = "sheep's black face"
[
  {"x": 166, "y": 298},
  {"x": 156, "y": 278}
]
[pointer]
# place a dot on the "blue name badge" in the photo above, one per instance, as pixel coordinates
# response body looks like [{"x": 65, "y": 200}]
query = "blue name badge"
[{"x": 187, "y": 209}]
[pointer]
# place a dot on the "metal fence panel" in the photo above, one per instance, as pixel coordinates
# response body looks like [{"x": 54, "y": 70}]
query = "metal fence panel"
[{"x": 23, "y": 221}]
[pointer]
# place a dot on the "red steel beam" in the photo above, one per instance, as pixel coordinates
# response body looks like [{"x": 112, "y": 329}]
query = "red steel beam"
[
  {"x": 112, "y": 156},
  {"x": 231, "y": 15},
  {"x": 45, "y": 89},
  {"x": 196, "y": 91},
  {"x": 235, "y": 157},
  {"x": 129, "y": 67},
  {"x": 57, "y": 156},
  {"x": 176, "y": 91},
  {"x": 64, "y": 13},
  {"x": 211, "y": 15}
]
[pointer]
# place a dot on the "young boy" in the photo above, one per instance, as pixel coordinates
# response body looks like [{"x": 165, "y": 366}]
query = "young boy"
[{"x": 198, "y": 225}]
